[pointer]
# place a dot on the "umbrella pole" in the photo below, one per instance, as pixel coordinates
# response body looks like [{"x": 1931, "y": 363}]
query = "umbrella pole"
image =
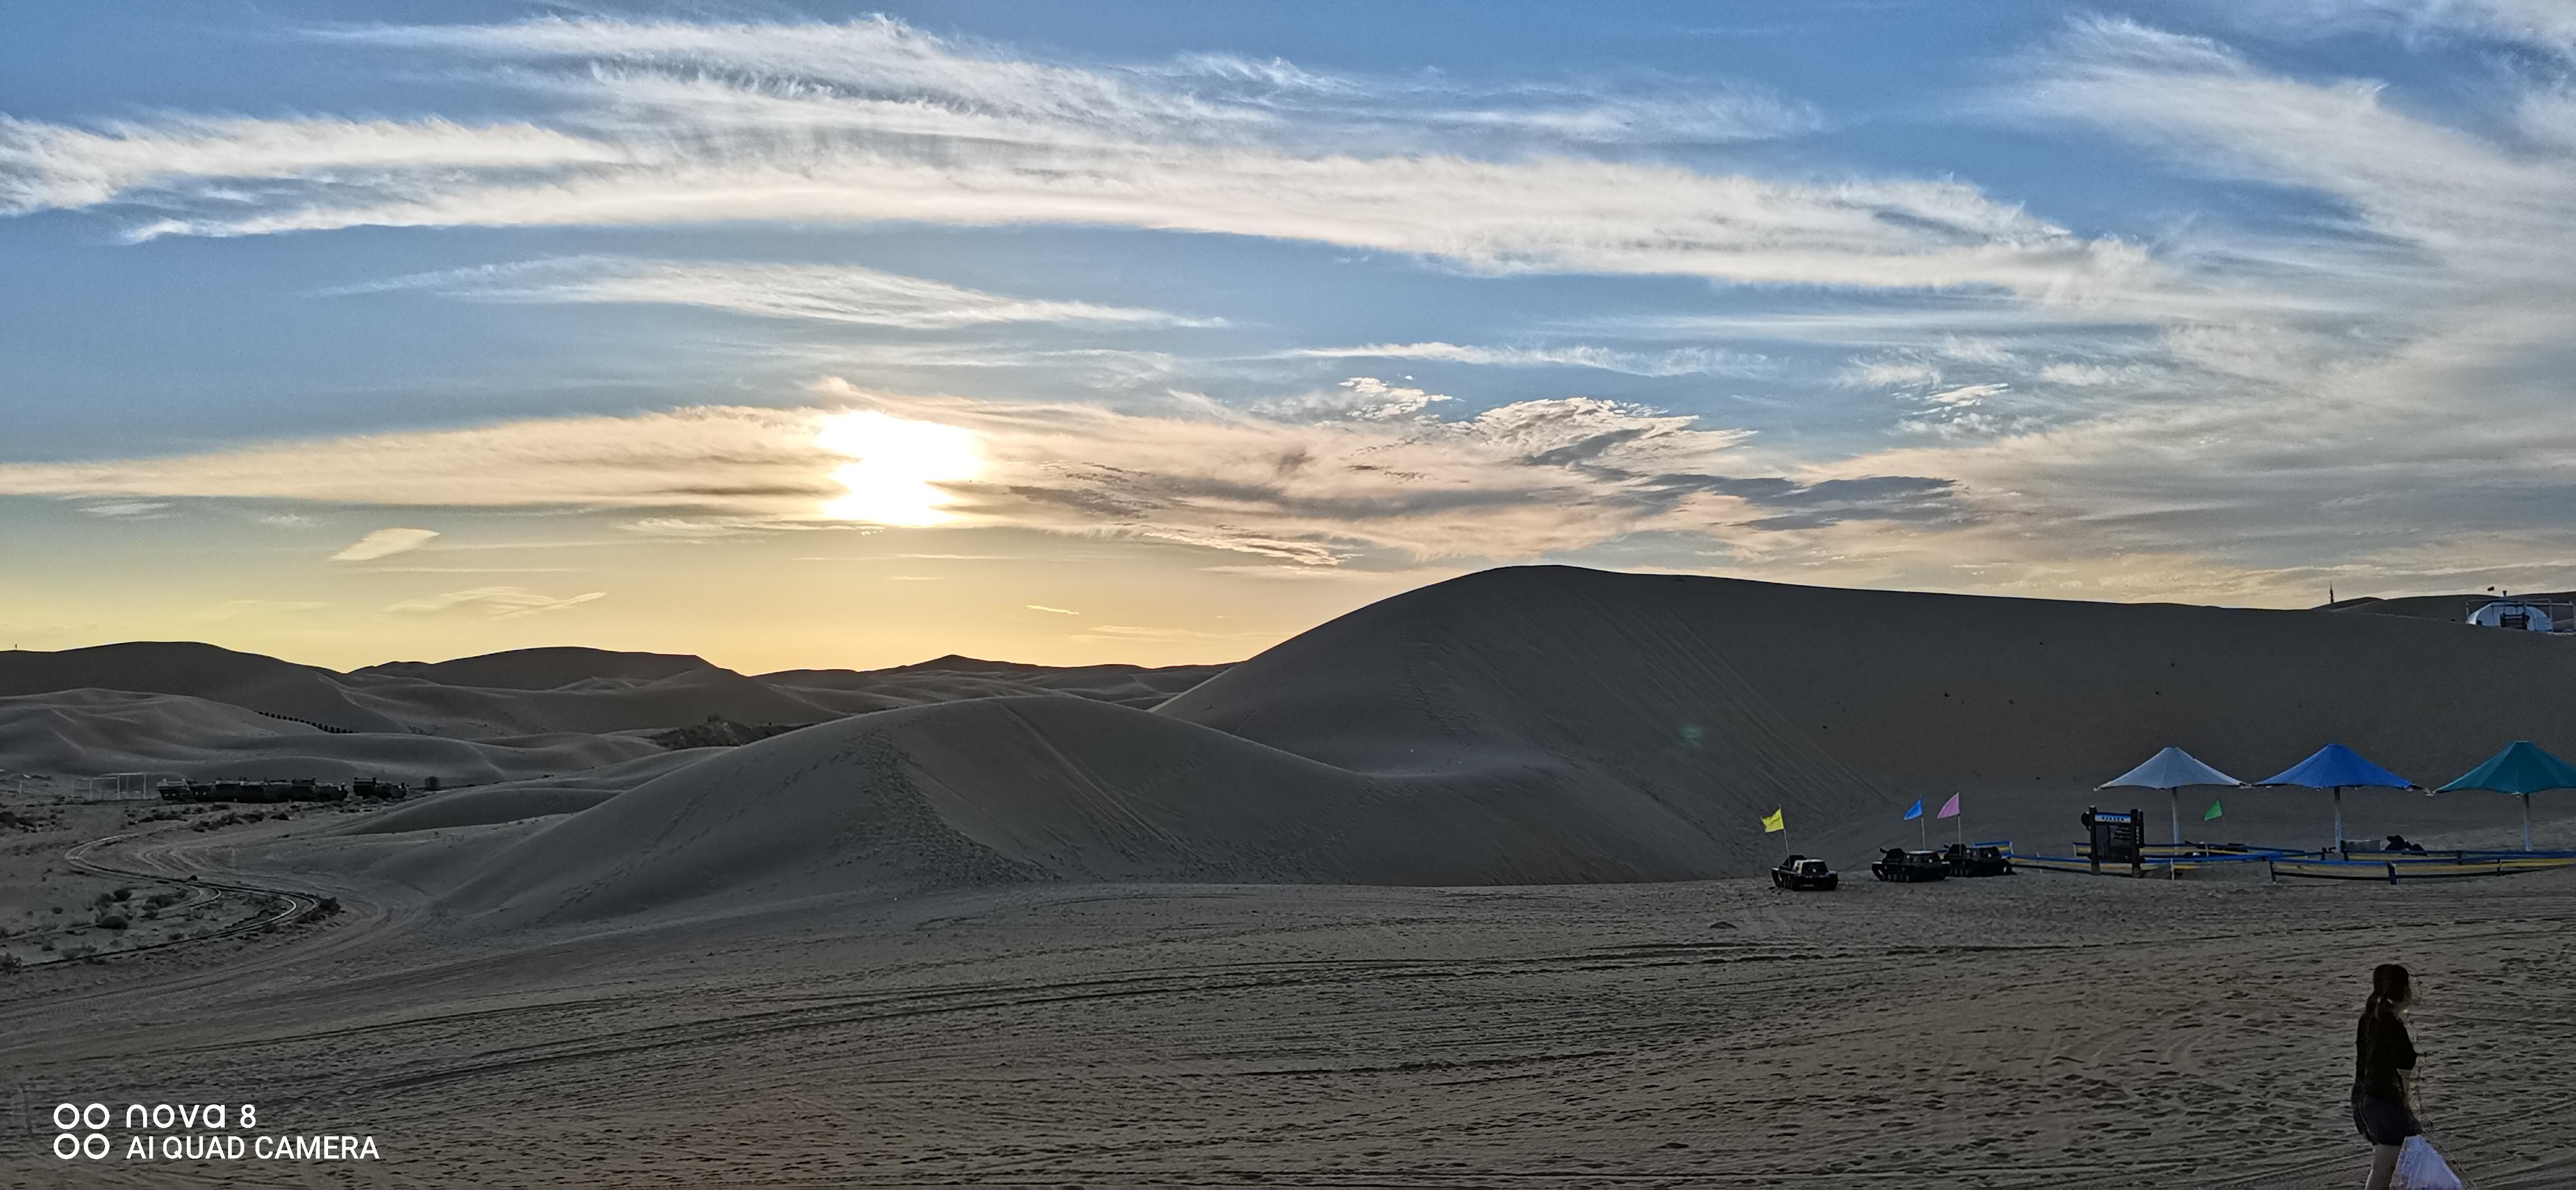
[
  {"x": 2338, "y": 835},
  {"x": 2173, "y": 862},
  {"x": 2526, "y": 822}
]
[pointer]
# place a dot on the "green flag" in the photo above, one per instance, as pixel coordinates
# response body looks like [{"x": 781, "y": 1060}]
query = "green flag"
[{"x": 2214, "y": 811}]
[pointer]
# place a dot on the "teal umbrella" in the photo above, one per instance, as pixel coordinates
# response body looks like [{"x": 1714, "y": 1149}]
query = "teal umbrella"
[{"x": 2522, "y": 770}]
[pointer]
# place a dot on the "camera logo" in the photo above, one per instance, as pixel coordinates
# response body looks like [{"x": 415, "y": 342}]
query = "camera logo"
[{"x": 69, "y": 1120}]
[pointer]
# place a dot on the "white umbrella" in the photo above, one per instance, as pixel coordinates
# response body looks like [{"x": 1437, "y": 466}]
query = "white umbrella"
[{"x": 2170, "y": 770}]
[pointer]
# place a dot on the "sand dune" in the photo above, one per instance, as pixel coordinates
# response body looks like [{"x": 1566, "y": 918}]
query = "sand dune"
[
  {"x": 531, "y": 797},
  {"x": 248, "y": 680},
  {"x": 91, "y": 732},
  {"x": 1015, "y": 789},
  {"x": 1526, "y": 725},
  {"x": 542, "y": 669},
  {"x": 1541, "y": 725},
  {"x": 553, "y": 691},
  {"x": 596, "y": 705},
  {"x": 1049, "y": 938},
  {"x": 953, "y": 678},
  {"x": 1909, "y": 688}
]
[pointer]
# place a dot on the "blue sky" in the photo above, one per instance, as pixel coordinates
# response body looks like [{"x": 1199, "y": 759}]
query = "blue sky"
[{"x": 1248, "y": 315}]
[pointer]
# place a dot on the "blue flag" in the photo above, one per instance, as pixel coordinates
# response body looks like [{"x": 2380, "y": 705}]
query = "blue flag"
[{"x": 1916, "y": 812}]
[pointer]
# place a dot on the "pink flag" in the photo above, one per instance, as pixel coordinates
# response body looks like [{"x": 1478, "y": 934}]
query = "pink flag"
[{"x": 1949, "y": 809}]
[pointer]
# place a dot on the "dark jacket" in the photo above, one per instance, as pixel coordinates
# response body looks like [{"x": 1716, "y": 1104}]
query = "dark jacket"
[{"x": 2381, "y": 1050}]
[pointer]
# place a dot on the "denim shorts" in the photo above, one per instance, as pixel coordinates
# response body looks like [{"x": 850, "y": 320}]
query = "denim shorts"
[{"x": 2382, "y": 1122}]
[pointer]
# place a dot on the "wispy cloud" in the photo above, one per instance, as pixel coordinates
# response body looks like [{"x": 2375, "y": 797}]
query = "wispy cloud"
[
  {"x": 873, "y": 121},
  {"x": 384, "y": 543},
  {"x": 499, "y": 603},
  {"x": 1241, "y": 639},
  {"x": 53, "y": 166},
  {"x": 1372, "y": 470},
  {"x": 128, "y": 510},
  {"x": 1689, "y": 361},
  {"x": 1040, "y": 607},
  {"x": 2392, "y": 371},
  {"x": 2539, "y": 24},
  {"x": 828, "y": 293}
]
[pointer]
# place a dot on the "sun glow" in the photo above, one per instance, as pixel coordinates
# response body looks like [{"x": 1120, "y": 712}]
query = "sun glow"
[{"x": 898, "y": 469}]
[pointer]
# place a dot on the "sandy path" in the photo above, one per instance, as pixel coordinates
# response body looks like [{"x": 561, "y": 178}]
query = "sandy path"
[{"x": 2037, "y": 1031}]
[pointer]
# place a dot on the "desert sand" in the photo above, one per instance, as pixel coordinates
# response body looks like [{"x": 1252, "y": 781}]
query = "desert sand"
[{"x": 1460, "y": 889}]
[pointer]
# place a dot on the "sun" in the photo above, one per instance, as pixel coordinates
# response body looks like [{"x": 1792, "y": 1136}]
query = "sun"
[{"x": 897, "y": 467}]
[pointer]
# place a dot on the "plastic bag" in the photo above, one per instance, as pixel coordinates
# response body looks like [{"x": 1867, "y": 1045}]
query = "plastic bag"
[{"x": 2420, "y": 1168}]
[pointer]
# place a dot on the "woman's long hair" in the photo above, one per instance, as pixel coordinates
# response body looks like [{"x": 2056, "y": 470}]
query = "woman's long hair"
[{"x": 2391, "y": 989}]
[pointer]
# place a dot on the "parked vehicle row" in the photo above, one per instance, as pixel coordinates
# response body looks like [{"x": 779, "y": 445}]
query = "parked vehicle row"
[{"x": 1801, "y": 873}]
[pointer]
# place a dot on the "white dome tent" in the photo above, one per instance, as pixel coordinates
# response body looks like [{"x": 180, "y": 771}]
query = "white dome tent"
[{"x": 2516, "y": 613}]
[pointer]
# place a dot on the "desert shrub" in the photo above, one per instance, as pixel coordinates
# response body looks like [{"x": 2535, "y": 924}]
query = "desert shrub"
[
  {"x": 113, "y": 921},
  {"x": 163, "y": 900},
  {"x": 124, "y": 893},
  {"x": 8, "y": 962},
  {"x": 79, "y": 952},
  {"x": 225, "y": 821}
]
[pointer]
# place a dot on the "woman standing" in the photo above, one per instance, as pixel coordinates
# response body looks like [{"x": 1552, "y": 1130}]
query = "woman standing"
[{"x": 2383, "y": 1055}]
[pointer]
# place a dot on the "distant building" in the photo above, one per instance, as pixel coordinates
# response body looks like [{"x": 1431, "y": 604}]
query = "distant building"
[{"x": 2525, "y": 616}]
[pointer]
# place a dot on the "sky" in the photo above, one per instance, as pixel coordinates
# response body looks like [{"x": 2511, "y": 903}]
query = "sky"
[{"x": 850, "y": 336}]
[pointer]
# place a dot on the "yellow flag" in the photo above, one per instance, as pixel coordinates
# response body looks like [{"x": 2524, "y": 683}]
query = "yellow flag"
[{"x": 1775, "y": 821}]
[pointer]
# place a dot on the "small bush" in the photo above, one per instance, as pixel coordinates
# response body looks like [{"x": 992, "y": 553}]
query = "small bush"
[
  {"x": 113, "y": 921},
  {"x": 8, "y": 962},
  {"x": 123, "y": 893}
]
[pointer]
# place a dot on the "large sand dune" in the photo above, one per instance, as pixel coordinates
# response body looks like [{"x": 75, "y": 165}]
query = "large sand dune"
[
  {"x": 1018, "y": 789},
  {"x": 1541, "y": 725},
  {"x": 1910, "y": 688}
]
